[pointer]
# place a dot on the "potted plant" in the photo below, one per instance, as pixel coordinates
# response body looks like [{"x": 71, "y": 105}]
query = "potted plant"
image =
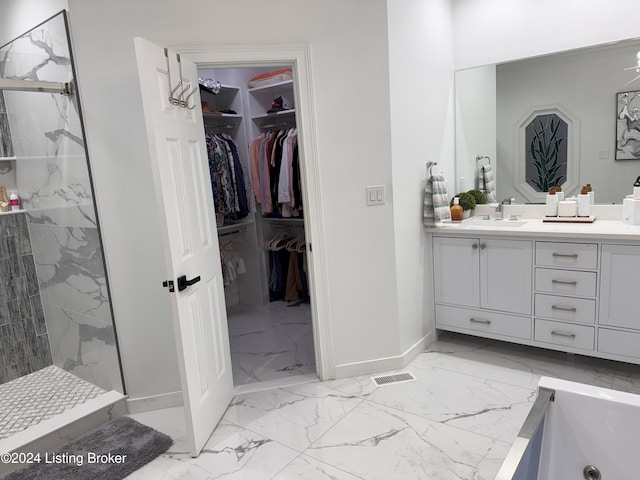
[
  {"x": 479, "y": 196},
  {"x": 467, "y": 202}
]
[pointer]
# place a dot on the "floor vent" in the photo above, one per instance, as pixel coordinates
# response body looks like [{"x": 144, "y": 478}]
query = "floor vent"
[{"x": 391, "y": 379}]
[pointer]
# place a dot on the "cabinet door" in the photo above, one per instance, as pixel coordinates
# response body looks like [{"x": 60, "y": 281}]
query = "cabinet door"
[
  {"x": 619, "y": 286},
  {"x": 505, "y": 275},
  {"x": 456, "y": 271}
]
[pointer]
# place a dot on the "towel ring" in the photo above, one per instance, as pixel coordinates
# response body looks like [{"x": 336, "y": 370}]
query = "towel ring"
[{"x": 482, "y": 157}]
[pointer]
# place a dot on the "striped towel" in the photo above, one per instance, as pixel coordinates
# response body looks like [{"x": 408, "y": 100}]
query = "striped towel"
[
  {"x": 436, "y": 201},
  {"x": 489, "y": 184},
  {"x": 480, "y": 179}
]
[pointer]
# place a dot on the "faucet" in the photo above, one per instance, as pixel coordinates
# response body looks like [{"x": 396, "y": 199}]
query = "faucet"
[
  {"x": 500, "y": 208},
  {"x": 499, "y": 214}
]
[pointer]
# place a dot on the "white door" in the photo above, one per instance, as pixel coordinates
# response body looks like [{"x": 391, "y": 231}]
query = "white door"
[{"x": 185, "y": 200}]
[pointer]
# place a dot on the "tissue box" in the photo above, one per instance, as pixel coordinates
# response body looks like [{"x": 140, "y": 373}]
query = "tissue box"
[{"x": 631, "y": 211}]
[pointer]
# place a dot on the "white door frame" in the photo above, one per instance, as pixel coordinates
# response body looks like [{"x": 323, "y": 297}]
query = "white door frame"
[{"x": 299, "y": 56}]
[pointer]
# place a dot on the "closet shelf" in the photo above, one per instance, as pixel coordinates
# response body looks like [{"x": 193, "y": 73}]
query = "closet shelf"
[
  {"x": 284, "y": 86},
  {"x": 213, "y": 116},
  {"x": 6, "y": 159},
  {"x": 283, "y": 221},
  {"x": 223, "y": 87},
  {"x": 234, "y": 226},
  {"x": 270, "y": 116}
]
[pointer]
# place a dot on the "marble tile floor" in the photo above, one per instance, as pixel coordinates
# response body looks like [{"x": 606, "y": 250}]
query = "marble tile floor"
[
  {"x": 456, "y": 421},
  {"x": 271, "y": 342},
  {"x": 38, "y": 396}
]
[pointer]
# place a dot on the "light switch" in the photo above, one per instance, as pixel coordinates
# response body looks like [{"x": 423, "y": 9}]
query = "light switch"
[{"x": 375, "y": 195}]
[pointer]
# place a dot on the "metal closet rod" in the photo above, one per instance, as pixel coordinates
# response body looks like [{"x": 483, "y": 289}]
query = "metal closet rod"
[{"x": 35, "y": 86}]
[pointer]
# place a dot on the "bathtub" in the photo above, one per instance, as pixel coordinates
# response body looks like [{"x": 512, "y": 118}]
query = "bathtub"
[{"x": 574, "y": 432}]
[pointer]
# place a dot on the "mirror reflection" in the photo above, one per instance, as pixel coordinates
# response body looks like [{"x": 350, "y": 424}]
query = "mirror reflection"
[{"x": 570, "y": 118}]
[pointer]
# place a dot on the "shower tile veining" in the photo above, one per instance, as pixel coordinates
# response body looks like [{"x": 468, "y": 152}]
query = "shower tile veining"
[
  {"x": 28, "y": 400},
  {"x": 271, "y": 342}
]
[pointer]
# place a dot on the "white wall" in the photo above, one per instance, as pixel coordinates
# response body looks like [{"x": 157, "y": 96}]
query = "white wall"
[
  {"x": 495, "y": 31},
  {"x": 350, "y": 76},
  {"x": 420, "y": 72},
  {"x": 19, "y": 16}
]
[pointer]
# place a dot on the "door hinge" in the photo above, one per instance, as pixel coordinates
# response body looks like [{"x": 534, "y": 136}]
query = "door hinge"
[
  {"x": 310, "y": 249},
  {"x": 169, "y": 284}
]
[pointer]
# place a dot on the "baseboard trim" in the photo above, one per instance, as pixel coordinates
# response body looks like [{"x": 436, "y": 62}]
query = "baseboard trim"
[
  {"x": 155, "y": 402},
  {"x": 380, "y": 365}
]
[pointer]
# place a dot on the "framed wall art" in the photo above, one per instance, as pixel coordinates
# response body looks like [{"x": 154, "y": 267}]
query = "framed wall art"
[{"x": 628, "y": 125}]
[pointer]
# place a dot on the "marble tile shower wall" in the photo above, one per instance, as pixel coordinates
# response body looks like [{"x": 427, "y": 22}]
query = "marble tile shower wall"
[
  {"x": 7, "y": 174},
  {"x": 24, "y": 346},
  {"x": 52, "y": 178}
]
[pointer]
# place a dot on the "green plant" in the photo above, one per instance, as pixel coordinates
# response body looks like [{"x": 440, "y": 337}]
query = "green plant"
[
  {"x": 479, "y": 197},
  {"x": 467, "y": 202},
  {"x": 545, "y": 154}
]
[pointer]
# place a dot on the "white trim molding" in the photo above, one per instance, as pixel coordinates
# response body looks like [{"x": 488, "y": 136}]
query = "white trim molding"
[
  {"x": 155, "y": 402},
  {"x": 379, "y": 365},
  {"x": 299, "y": 57},
  {"x": 573, "y": 152}
]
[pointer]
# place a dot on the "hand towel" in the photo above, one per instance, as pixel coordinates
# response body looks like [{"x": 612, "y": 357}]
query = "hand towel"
[
  {"x": 436, "y": 201},
  {"x": 489, "y": 184},
  {"x": 480, "y": 179}
]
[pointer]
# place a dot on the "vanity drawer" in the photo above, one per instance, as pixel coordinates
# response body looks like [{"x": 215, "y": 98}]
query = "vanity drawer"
[
  {"x": 567, "y": 282},
  {"x": 619, "y": 343},
  {"x": 565, "y": 334},
  {"x": 574, "y": 255},
  {"x": 581, "y": 310},
  {"x": 484, "y": 321}
]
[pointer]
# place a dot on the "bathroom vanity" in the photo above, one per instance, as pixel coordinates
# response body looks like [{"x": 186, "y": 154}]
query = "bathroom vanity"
[{"x": 568, "y": 287}]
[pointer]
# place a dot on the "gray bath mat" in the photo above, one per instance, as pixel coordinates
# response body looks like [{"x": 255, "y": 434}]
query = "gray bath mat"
[{"x": 110, "y": 452}]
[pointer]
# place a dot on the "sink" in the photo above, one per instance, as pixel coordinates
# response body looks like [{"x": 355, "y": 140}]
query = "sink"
[{"x": 496, "y": 223}]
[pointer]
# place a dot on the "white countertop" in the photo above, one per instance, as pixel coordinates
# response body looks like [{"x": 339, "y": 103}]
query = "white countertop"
[{"x": 599, "y": 229}]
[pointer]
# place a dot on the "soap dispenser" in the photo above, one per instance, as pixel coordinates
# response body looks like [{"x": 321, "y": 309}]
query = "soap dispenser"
[
  {"x": 584, "y": 202},
  {"x": 457, "y": 212},
  {"x": 631, "y": 205},
  {"x": 551, "y": 205}
]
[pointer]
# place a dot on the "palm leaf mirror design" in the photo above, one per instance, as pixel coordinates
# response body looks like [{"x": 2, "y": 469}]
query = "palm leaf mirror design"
[{"x": 546, "y": 155}]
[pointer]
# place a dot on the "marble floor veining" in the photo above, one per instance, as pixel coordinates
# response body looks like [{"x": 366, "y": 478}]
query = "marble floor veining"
[
  {"x": 270, "y": 342},
  {"x": 456, "y": 421}
]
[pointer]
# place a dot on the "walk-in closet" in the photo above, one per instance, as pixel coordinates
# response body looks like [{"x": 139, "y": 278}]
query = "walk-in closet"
[{"x": 255, "y": 167}]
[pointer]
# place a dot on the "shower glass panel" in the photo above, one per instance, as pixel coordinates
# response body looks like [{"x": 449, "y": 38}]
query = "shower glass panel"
[{"x": 55, "y": 307}]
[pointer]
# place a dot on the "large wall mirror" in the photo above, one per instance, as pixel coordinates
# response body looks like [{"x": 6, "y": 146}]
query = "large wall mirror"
[{"x": 561, "y": 118}]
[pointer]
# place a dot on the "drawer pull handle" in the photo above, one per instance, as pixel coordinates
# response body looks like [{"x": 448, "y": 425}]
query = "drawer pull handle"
[
  {"x": 484, "y": 322},
  {"x": 483, "y": 246},
  {"x": 564, "y": 309},
  {"x": 564, "y": 282},
  {"x": 566, "y": 255},
  {"x": 563, "y": 334},
  {"x": 475, "y": 246}
]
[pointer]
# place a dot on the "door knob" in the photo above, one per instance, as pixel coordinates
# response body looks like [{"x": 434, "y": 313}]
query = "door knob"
[{"x": 183, "y": 283}]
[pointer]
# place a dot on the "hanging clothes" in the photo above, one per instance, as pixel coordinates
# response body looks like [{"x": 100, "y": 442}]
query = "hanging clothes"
[
  {"x": 275, "y": 173},
  {"x": 230, "y": 178},
  {"x": 232, "y": 263}
]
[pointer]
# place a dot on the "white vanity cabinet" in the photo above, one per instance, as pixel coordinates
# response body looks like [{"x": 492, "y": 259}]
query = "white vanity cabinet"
[
  {"x": 490, "y": 278},
  {"x": 565, "y": 285},
  {"x": 488, "y": 273},
  {"x": 567, "y": 288},
  {"x": 619, "y": 293}
]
